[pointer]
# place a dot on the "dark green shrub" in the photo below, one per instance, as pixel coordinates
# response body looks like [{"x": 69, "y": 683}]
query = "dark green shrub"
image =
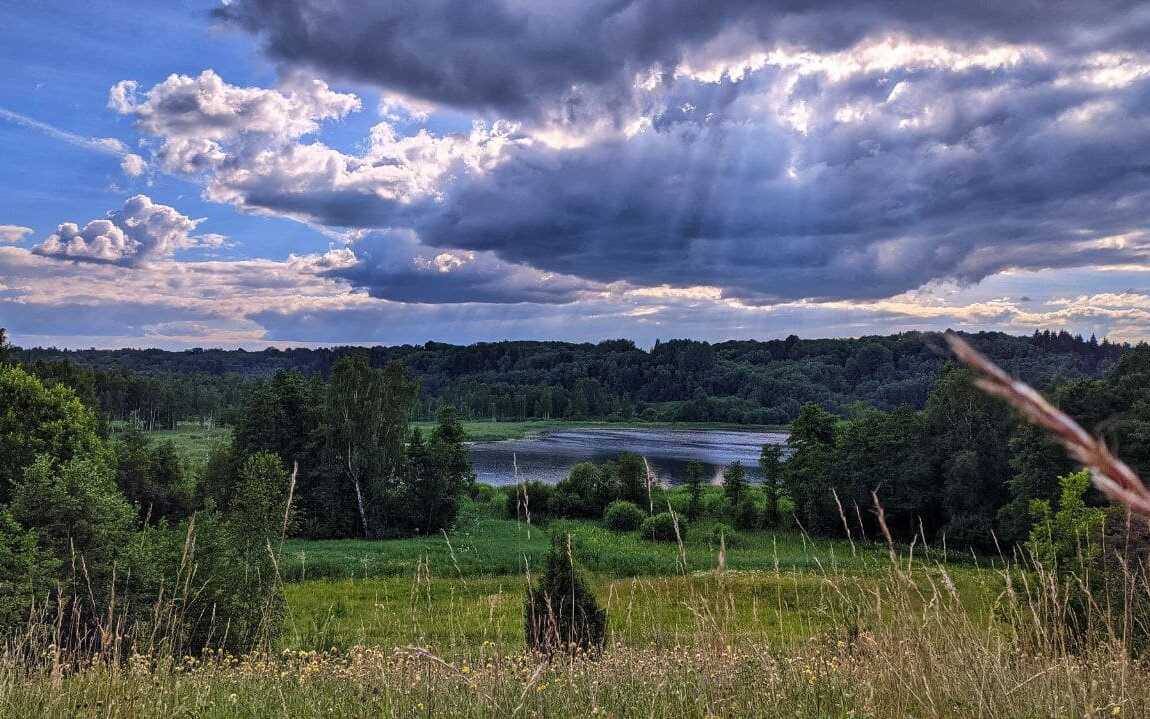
[
  {"x": 26, "y": 575},
  {"x": 586, "y": 491},
  {"x": 714, "y": 504},
  {"x": 661, "y": 528},
  {"x": 735, "y": 484},
  {"x": 1119, "y": 582},
  {"x": 538, "y": 500},
  {"x": 481, "y": 493},
  {"x": 725, "y": 531},
  {"x": 560, "y": 613},
  {"x": 623, "y": 516},
  {"x": 747, "y": 515},
  {"x": 566, "y": 503},
  {"x": 695, "y": 483},
  {"x": 631, "y": 474}
]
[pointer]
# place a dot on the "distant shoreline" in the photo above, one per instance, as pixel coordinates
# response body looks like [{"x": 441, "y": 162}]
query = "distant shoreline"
[{"x": 489, "y": 431}]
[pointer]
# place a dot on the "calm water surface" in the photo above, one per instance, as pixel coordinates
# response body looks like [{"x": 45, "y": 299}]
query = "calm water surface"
[{"x": 549, "y": 458}]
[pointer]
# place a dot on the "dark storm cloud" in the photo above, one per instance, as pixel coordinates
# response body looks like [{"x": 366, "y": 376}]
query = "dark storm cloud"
[
  {"x": 1008, "y": 178},
  {"x": 395, "y": 266},
  {"x": 887, "y": 146},
  {"x": 524, "y": 58}
]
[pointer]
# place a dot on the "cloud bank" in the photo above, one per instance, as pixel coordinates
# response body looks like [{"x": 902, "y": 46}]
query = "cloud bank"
[
  {"x": 653, "y": 167},
  {"x": 139, "y": 231}
]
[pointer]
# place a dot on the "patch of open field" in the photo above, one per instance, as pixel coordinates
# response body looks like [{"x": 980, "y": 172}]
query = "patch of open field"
[{"x": 484, "y": 546}]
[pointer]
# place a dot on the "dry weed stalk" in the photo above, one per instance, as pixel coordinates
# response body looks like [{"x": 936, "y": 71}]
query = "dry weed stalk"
[{"x": 1110, "y": 474}]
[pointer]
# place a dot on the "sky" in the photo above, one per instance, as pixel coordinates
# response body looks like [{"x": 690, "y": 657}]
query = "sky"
[{"x": 255, "y": 173}]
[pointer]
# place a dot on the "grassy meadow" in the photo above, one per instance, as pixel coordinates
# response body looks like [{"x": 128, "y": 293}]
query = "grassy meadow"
[
  {"x": 454, "y": 592},
  {"x": 769, "y": 624}
]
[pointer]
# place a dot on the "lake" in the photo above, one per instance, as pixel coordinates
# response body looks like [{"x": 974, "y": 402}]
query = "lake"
[{"x": 549, "y": 457}]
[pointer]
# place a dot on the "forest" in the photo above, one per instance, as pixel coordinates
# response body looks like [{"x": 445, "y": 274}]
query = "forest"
[{"x": 742, "y": 382}]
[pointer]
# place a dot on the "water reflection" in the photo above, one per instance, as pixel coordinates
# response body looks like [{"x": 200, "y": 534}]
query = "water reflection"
[{"x": 549, "y": 458}]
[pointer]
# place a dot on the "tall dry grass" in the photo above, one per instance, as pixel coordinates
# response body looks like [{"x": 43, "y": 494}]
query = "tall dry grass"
[{"x": 904, "y": 644}]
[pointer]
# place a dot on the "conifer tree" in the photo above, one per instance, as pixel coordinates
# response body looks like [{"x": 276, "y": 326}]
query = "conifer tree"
[{"x": 561, "y": 612}]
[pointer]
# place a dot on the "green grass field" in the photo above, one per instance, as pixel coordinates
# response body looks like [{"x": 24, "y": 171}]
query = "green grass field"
[
  {"x": 486, "y": 547},
  {"x": 457, "y": 591},
  {"x": 193, "y": 442}
]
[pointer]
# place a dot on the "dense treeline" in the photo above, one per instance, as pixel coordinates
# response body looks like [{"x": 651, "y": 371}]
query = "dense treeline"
[
  {"x": 964, "y": 468},
  {"x": 362, "y": 472},
  {"x": 961, "y": 470},
  {"x": 102, "y": 542},
  {"x": 149, "y": 401},
  {"x": 680, "y": 380},
  {"x": 114, "y": 537}
]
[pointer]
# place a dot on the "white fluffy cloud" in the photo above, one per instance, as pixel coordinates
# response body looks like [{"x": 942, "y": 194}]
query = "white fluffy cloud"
[
  {"x": 14, "y": 233},
  {"x": 139, "y": 231},
  {"x": 201, "y": 118},
  {"x": 133, "y": 165}
]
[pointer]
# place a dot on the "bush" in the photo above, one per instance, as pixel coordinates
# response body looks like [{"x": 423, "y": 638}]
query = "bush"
[
  {"x": 566, "y": 503},
  {"x": 661, "y": 528},
  {"x": 481, "y": 493},
  {"x": 747, "y": 515},
  {"x": 623, "y": 516},
  {"x": 1120, "y": 585},
  {"x": 585, "y": 492},
  {"x": 561, "y": 612},
  {"x": 714, "y": 504},
  {"x": 26, "y": 574},
  {"x": 207, "y": 583},
  {"x": 538, "y": 500},
  {"x": 680, "y": 502},
  {"x": 725, "y": 531}
]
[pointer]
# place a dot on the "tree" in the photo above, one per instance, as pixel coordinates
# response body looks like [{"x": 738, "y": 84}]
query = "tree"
[
  {"x": 1065, "y": 539},
  {"x": 259, "y": 504},
  {"x": 74, "y": 507},
  {"x": 807, "y": 475},
  {"x": 438, "y": 473},
  {"x": 734, "y": 483},
  {"x": 82, "y": 525},
  {"x": 35, "y": 421},
  {"x": 771, "y": 465},
  {"x": 881, "y": 454},
  {"x": 695, "y": 472},
  {"x": 152, "y": 478},
  {"x": 284, "y": 416},
  {"x": 966, "y": 431},
  {"x": 747, "y": 514},
  {"x": 211, "y": 581},
  {"x": 366, "y": 418},
  {"x": 561, "y": 612},
  {"x": 632, "y": 474},
  {"x": 27, "y": 576}
]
